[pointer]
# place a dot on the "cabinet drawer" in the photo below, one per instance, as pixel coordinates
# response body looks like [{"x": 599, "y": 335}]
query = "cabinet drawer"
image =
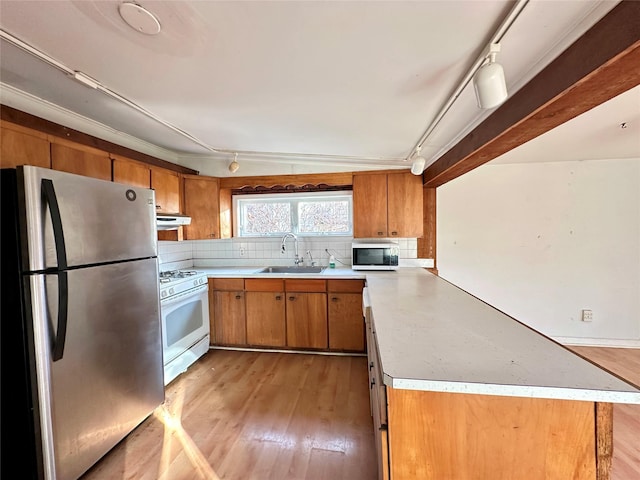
[
  {"x": 349, "y": 286},
  {"x": 264, "y": 284},
  {"x": 231, "y": 284},
  {"x": 297, "y": 285}
]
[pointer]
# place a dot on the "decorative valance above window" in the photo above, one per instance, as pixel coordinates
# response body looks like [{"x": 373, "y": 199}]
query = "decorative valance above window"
[{"x": 321, "y": 187}]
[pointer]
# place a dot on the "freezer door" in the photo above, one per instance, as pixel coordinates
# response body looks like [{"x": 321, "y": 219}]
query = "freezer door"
[
  {"x": 95, "y": 221},
  {"x": 109, "y": 376}
]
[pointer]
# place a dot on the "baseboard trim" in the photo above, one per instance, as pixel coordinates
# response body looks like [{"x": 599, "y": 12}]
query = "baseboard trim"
[
  {"x": 277, "y": 350},
  {"x": 598, "y": 342}
]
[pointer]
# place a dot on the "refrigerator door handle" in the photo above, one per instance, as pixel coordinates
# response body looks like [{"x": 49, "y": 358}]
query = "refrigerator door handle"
[{"x": 49, "y": 196}]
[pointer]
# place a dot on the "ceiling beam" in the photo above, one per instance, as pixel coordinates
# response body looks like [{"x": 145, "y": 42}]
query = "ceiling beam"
[{"x": 601, "y": 64}]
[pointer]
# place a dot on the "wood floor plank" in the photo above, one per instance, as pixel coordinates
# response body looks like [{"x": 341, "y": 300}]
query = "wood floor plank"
[
  {"x": 624, "y": 362},
  {"x": 254, "y": 416}
]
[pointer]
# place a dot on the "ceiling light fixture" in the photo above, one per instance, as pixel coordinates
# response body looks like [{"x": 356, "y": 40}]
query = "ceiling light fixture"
[
  {"x": 234, "y": 166},
  {"x": 139, "y": 18},
  {"x": 418, "y": 163},
  {"x": 489, "y": 82},
  {"x": 495, "y": 39}
]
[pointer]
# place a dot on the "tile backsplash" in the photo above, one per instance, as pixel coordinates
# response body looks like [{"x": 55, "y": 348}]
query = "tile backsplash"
[{"x": 263, "y": 251}]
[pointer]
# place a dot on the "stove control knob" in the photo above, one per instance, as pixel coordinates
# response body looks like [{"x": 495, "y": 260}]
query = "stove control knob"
[
  {"x": 195, "y": 283},
  {"x": 172, "y": 291},
  {"x": 163, "y": 293},
  {"x": 201, "y": 281}
]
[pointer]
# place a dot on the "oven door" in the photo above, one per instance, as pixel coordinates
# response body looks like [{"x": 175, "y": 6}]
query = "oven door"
[{"x": 185, "y": 321}]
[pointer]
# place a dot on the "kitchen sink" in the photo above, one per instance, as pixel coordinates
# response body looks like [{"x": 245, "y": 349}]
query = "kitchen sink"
[{"x": 297, "y": 270}]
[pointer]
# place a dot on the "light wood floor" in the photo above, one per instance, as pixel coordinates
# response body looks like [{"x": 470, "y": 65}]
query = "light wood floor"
[
  {"x": 259, "y": 416},
  {"x": 255, "y": 416},
  {"x": 624, "y": 362}
]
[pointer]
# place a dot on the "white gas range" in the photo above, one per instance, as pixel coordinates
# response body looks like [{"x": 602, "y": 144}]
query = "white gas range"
[{"x": 184, "y": 309}]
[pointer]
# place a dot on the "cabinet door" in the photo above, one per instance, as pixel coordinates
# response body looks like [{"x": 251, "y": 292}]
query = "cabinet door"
[
  {"x": 229, "y": 318},
  {"x": 369, "y": 206},
  {"x": 201, "y": 203},
  {"x": 266, "y": 319},
  {"x": 346, "y": 323},
  {"x": 81, "y": 161},
  {"x": 167, "y": 186},
  {"x": 405, "y": 205},
  {"x": 307, "y": 320},
  {"x": 130, "y": 172},
  {"x": 20, "y": 146}
]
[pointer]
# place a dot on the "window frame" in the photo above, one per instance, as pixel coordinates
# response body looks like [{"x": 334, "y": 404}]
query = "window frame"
[{"x": 294, "y": 198}]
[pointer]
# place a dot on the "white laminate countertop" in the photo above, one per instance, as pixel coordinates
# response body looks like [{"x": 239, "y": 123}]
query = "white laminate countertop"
[{"x": 434, "y": 336}]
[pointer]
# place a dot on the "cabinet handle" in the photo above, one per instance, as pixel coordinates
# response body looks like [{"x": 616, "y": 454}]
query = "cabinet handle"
[
  {"x": 383, "y": 428},
  {"x": 380, "y": 233},
  {"x": 334, "y": 299},
  {"x": 370, "y": 365},
  {"x": 238, "y": 297},
  {"x": 212, "y": 235},
  {"x": 373, "y": 382},
  {"x": 278, "y": 297},
  {"x": 292, "y": 298},
  {"x": 394, "y": 233},
  {"x": 158, "y": 206}
]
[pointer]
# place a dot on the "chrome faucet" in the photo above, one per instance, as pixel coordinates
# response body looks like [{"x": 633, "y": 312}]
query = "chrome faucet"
[
  {"x": 313, "y": 263},
  {"x": 297, "y": 260}
]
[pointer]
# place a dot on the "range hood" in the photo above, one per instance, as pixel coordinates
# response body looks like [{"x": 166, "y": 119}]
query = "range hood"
[{"x": 171, "y": 221}]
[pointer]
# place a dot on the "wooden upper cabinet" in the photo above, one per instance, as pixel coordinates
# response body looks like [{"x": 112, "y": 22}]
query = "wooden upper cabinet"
[
  {"x": 370, "y": 206},
  {"x": 166, "y": 183},
  {"x": 81, "y": 160},
  {"x": 387, "y": 205},
  {"x": 202, "y": 204},
  {"x": 23, "y": 146},
  {"x": 131, "y": 172},
  {"x": 404, "y": 197}
]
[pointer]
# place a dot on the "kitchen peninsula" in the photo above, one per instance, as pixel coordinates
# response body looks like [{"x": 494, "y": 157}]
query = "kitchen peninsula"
[{"x": 461, "y": 390}]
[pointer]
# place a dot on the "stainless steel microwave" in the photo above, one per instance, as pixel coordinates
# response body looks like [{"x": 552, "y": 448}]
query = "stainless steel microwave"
[{"x": 374, "y": 256}]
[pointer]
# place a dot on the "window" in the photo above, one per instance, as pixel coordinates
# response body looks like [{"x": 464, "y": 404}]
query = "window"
[{"x": 325, "y": 213}]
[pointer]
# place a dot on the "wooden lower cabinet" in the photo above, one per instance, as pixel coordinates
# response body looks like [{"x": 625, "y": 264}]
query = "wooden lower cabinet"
[
  {"x": 265, "y": 303},
  {"x": 483, "y": 436},
  {"x": 307, "y": 320},
  {"x": 346, "y": 323},
  {"x": 227, "y": 311}
]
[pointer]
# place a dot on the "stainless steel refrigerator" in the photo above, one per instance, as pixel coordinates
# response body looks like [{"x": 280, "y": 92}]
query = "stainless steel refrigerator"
[{"x": 81, "y": 357}]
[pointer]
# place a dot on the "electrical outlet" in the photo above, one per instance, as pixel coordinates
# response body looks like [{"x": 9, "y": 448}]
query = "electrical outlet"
[
  {"x": 241, "y": 251},
  {"x": 587, "y": 315}
]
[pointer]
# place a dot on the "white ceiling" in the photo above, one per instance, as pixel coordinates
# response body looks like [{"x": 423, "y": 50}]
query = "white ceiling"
[{"x": 313, "y": 84}]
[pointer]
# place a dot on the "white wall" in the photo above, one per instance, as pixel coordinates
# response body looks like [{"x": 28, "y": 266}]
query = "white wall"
[{"x": 542, "y": 241}]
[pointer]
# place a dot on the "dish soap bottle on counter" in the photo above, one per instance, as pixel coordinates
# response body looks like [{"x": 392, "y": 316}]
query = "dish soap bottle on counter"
[{"x": 332, "y": 261}]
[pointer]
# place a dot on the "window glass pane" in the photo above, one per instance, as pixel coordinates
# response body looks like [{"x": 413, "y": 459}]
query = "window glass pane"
[
  {"x": 266, "y": 218},
  {"x": 324, "y": 217}
]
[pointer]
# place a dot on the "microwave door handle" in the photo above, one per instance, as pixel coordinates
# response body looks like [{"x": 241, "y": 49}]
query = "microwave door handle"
[{"x": 50, "y": 198}]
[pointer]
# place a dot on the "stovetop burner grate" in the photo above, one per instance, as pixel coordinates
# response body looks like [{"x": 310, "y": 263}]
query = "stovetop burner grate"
[{"x": 173, "y": 274}]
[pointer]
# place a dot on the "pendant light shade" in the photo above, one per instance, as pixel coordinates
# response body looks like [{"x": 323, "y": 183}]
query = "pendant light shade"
[
  {"x": 234, "y": 166},
  {"x": 489, "y": 82},
  {"x": 418, "y": 164}
]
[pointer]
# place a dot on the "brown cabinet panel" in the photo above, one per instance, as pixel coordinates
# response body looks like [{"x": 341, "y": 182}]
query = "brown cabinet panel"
[
  {"x": 370, "y": 206},
  {"x": 21, "y": 147},
  {"x": 346, "y": 323},
  {"x": 266, "y": 324},
  {"x": 404, "y": 193},
  {"x": 297, "y": 285},
  {"x": 229, "y": 318},
  {"x": 307, "y": 320},
  {"x": 227, "y": 283},
  {"x": 351, "y": 286},
  {"x": 201, "y": 203},
  {"x": 131, "y": 172},
  {"x": 264, "y": 284},
  {"x": 167, "y": 186},
  {"x": 81, "y": 161}
]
